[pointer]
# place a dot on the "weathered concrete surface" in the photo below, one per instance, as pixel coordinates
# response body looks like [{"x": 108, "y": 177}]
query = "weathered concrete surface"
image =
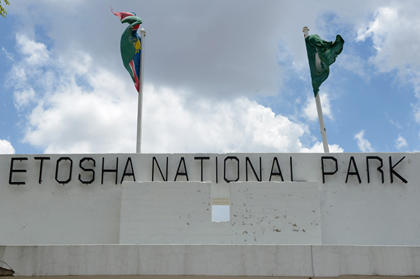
[
  {"x": 180, "y": 213},
  {"x": 213, "y": 260}
]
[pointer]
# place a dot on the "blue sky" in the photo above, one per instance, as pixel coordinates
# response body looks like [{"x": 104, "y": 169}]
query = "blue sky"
[{"x": 220, "y": 76}]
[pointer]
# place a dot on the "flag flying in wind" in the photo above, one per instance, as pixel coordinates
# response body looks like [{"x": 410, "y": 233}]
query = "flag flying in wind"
[
  {"x": 321, "y": 54},
  {"x": 131, "y": 45}
]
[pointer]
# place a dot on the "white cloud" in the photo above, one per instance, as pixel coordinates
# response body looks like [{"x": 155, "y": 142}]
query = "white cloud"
[
  {"x": 73, "y": 121},
  {"x": 378, "y": 26},
  {"x": 70, "y": 108},
  {"x": 363, "y": 144},
  {"x": 8, "y": 55},
  {"x": 23, "y": 98},
  {"x": 400, "y": 142},
  {"x": 310, "y": 112},
  {"x": 6, "y": 147},
  {"x": 35, "y": 53},
  {"x": 393, "y": 30},
  {"x": 354, "y": 64},
  {"x": 173, "y": 124},
  {"x": 416, "y": 112},
  {"x": 395, "y": 123},
  {"x": 318, "y": 147},
  {"x": 81, "y": 109}
]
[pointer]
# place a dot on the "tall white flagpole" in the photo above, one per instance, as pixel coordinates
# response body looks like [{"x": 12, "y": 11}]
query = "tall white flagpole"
[
  {"x": 321, "y": 124},
  {"x": 140, "y": 97},
  {"x": 319, "y": 109}
]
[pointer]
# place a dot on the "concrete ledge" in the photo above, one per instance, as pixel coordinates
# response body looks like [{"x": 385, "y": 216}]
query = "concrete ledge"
[{"x": 212, "y": 260}]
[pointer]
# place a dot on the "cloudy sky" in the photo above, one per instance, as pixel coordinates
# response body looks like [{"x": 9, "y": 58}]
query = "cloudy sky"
[{"x": 220, "y": 76}]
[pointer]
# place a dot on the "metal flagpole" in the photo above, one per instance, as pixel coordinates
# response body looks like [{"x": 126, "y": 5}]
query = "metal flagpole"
[
  {"x": 319, "y": 109},
  {"x": 321, "y": 124},
  {"x": 140, "y": 97}
]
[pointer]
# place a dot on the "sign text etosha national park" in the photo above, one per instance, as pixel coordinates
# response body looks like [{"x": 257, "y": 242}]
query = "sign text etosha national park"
[{"x": 216, "y": 168}]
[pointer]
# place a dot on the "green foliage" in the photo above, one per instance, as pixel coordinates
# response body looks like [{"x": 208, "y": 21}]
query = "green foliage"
[{"x": 2, "y": 10}]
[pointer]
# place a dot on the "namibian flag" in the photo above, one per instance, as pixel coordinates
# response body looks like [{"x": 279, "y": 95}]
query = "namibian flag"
[{"x": 131, "y": 45}]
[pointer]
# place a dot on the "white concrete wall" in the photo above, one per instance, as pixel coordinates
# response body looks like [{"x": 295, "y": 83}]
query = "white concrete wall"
[
  {"x": 213, "y": 260},
  {"x": 275, "y": 212},
  {"x": 166, "y": 213},
  {"x": 179, "y": 213},
  {"x": 50, "y": 213},
  {"x": 351, "y": 213}
]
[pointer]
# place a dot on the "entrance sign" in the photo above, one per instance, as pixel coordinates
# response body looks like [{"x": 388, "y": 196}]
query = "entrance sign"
[
  {"x": 341, "y": 197},
  {"x": 215, "y": 168},
  {"x": 314, "y": 212}
]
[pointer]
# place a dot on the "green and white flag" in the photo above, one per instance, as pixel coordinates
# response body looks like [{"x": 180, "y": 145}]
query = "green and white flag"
[{"x": 321, "y": 54}]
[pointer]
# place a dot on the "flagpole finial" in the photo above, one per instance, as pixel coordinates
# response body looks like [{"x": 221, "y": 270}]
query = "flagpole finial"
[
  {"x": 143, "y": 31},
  {"x": 305, "y": 31}
]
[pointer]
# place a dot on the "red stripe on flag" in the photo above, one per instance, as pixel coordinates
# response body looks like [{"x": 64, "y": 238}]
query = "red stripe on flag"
[
  {"x": 122, "y": 15},
  {"x": 136, "y": 80}
]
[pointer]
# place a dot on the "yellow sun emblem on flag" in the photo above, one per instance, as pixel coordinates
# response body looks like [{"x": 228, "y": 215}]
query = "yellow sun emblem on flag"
[{"x": 137, "y": 45}]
